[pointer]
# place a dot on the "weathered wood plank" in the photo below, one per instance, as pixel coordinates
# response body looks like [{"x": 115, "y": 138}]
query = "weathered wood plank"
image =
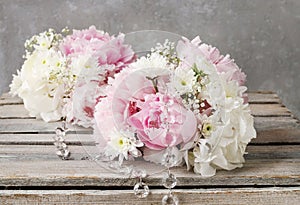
[
  {"x": 43, "y": 139},
  {"x": 34, "y": 126},
  {"x": 270, "y": 123},
  {"x": 18, "y": 110},
  {"x": 278, "y": 136},
  {"x": 14, "y": 111},
  {"x": 289, "y": 135},
  {"x": 283, "y": 172},
  {"x": 269, "y": 110},
  {"x": 7, "y": 99},
  {"x": 263, "y": 98},
  {"x": 42, "y": 152},
  {"x": 232, "y": 196}
]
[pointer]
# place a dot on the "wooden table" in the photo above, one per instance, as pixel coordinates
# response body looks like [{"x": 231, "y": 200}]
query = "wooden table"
[{"x": 31, "y": 173}]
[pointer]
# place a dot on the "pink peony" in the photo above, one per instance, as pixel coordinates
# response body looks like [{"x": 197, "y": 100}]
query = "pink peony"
[
  {"x": 100, "y": 53},
  {"x": 162, "y": 122},
  {"x": 129, "y": 85},
  {"x": 80, "y": 108},
  {"x": 223, "y": 63},
  {"x": 189, "y": 51},
  {"x": 107, "y": 49}
]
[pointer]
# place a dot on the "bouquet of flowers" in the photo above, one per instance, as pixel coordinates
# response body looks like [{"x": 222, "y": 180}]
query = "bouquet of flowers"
[
  {"x": 177, "y": 105},
  {"x": 182, "y": 104}
]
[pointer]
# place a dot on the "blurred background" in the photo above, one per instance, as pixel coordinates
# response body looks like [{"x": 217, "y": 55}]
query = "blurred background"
[{"x": 262, "y": 36}]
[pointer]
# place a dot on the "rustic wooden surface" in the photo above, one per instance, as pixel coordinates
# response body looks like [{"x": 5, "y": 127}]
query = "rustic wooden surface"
[{"x": 32, "y": 174}]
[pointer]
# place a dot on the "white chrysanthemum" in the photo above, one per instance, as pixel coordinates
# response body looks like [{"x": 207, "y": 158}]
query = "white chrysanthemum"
[
  {"x": 213, "y": 89},
  {"x": 182, "y": 81},
  {"x": 16, "y": 84},
  {"x": 122, "y": 144},
  {"x": 43, "y": 40},
  {"x": 154, "y": 65}
]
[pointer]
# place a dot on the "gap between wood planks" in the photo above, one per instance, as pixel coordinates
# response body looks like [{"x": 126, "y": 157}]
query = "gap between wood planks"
[
  {"x": 130, "y": 187},
  {"x": 266, "y": 196}
]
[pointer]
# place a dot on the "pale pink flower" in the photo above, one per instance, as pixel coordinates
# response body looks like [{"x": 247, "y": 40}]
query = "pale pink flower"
[
  {"x": 107, "y": 49},
  {"x": 223, "y": 63},
  {"x": 98, "y": 52},
  {"x": 119, "y": 104},
  {"x": 162, "y": 122},
  {"x": 79, "y": 109},
  {"x": 190, "y": 51}
]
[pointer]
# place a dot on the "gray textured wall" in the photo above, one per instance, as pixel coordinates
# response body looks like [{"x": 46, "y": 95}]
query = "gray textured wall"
[{"x": 262, "y": 36}]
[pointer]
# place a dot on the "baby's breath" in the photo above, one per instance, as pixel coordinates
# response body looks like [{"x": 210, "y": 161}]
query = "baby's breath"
[{"x": 168, "y": 51}]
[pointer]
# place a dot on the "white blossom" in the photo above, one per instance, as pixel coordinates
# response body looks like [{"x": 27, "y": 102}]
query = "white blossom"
[
  {"x": 122, "y": 144},
  {"x": 182, "y": 81},
  {"x": 39, "y": 84}
]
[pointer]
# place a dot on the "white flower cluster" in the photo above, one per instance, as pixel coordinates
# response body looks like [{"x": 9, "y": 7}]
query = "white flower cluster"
[
  {"x": 168, "y": 50},
  {"x": 40, "y": 81},
  {"x": 225, "y": 124}
]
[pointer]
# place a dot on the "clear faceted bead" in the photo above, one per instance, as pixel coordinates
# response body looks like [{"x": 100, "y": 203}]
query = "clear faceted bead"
[
  {"x": 169, "y": 159},
  {"x": 169, "y": 180},
  {"x": 66, "y": 154},
  {"x": 59, "y": 153},
  {"x": 141, "y": 190},
  {"x": 60, "y": 132},
  {"x": 170, "y": 200}
]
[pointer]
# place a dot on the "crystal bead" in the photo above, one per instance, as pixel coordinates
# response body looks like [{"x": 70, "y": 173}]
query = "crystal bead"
[
  {"x": 66, "y": 154},
  {"x": 169, "y": 180},
  {"x": 169, "y": 159},
  {"x": 170, "y": 200},
  {"x": 141, "y": 190},
  {"x": 60, "y": 132},
  {"x": 59, "y": 153}
]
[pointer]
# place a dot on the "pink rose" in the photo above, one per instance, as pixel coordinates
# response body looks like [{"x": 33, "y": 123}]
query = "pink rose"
[{"x": 161, "y": 122}]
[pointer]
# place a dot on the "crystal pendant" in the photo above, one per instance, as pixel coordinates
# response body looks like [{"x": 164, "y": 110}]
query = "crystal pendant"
[
  {"x": 170, "y": 200},
  {"x": 141, "y": 190},
  {"x": 169, "y": 180},
  {"x": 59, "y": 142},
  {"x": 60, "y": 132},
  {"x": 169, "y": 159}
]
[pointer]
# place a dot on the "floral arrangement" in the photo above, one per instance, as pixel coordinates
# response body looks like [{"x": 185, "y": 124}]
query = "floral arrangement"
[
  {"x": 183, "y": 103},
  {"x": 64, "y": 76},
  {"x": 177, "y": 105}
]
